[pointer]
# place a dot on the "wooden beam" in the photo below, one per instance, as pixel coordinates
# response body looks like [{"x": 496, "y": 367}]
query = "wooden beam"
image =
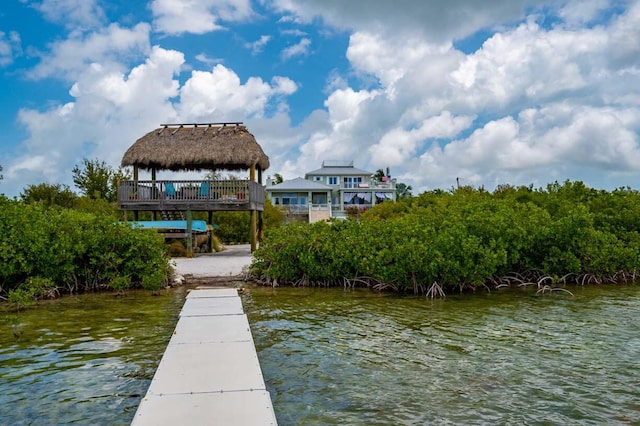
[
  {"x": 254, "y": 231},
  {"x": 210, "y": 222},
  {"x": 225, "y": 123},
  {"x": 189, "y": 234}
]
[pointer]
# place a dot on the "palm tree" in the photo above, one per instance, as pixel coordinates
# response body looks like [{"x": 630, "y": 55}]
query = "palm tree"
[
  {"x": 379, "y": 175},
  {"x": 403, "y": 190}
]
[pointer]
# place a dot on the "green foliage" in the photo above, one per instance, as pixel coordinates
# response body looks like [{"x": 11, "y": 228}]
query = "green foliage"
[
  {"x": 464, "y": 238},
  {"x": 74, "y": 250},
  {"x": 95, "y": 179},
  {"x": 20, "y": 298},
  {"x": 49, "y": 195},
  {"x": 233, "y": 227},
  {"x": 272, "y": 216},
  {"x": 403, "y": 190},
  {"x": 120, "y": 283},
  {"x": 155, "y": 280},
  {"x": 100, "y": 207},
  {"x": 28, "y": 292}
]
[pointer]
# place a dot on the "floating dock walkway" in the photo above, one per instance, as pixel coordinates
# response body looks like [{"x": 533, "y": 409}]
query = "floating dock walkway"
[{"x": 209, "y": 374}]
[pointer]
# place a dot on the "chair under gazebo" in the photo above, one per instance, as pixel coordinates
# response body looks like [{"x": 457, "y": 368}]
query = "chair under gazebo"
[{"x": 196, "y": 147}]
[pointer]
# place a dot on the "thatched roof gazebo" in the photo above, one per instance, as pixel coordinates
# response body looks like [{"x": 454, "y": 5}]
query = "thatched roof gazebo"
[
  {"x": 193, "y": 147},
  {"x": 211, "y": 146}
]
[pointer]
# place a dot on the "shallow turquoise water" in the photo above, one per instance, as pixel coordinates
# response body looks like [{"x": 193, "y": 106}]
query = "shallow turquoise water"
[
  {"x": 346, "y": 357},
  {"x": 83, "y": 360},
  {"x": 355, "y": 357}
]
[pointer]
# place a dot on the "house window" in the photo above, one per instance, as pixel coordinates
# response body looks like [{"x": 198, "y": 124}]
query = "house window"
[
  {"x": 317, "y": 178},
  {"x": 352, "y": 182},
  {"x": 293, "y": 199},
  {"x": 333, "y": 180},
  {"x": 319, "y": 199}
]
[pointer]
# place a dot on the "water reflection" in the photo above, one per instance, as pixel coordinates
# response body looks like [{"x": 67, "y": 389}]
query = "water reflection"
[{"x": 336, "y": 357}]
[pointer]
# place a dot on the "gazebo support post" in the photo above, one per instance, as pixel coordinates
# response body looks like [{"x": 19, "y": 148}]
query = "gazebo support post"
[
  {"x": 254, "y": 215},
  {"x": 189, "y": 234},
  {"x": 254, "y": 232},
  {"x": 260, "y": 213},
  {"x": 210, "y": 243},
  {"x": 135, "y": 185},
  {"x": 153, "y": 180}
]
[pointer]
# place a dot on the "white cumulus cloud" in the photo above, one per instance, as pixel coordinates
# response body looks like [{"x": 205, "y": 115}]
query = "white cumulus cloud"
[
  {"x": 299, "y": 49},
  {"x": 109, "y": 46},
  {"x": 219, "y": 95},
  {"x": 10, "y": 47},
  {"x": 197, "y": 17},
  {"x": 76, "y": 15}
]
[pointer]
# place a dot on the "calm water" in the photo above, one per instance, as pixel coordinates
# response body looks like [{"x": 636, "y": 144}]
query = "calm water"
[
  {"x": 358, "y": 358},
  {"x": 352, "y": 358},
  {"x": 83, "y": 360}
]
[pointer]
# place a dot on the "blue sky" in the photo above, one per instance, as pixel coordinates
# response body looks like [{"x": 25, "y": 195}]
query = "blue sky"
[{"x": 518, "y": 92}]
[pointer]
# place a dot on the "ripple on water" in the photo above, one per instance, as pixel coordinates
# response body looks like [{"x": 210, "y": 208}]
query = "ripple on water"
[
  {"x": 82, "y": 359},
  {"x": 335, "y": 357}
]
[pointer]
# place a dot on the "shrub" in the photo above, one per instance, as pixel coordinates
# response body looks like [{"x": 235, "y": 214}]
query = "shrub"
[
  {"x": 177, "y": 249},
  {"x": 464, "y": 239},
  {"x": 74, "y": 250}
]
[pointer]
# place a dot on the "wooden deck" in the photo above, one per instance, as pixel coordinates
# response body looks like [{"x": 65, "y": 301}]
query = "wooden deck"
[{"x": 194, "y": 195}]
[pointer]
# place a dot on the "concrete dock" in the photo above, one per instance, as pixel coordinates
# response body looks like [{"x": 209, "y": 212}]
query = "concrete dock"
[{"x": 209, "y": 373}]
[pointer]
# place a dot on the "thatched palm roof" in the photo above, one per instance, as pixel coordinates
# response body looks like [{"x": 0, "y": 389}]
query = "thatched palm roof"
[{"x": 227, "y": 146}]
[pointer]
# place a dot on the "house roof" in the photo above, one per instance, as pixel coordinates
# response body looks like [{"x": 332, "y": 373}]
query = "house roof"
[
  {"x": 209, "y": 146},
  {"x": 299, "y": 184},
  {"x": 339, "y": 171}
]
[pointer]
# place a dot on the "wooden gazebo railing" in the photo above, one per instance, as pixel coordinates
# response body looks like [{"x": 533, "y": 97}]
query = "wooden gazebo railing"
[{"x": 195, "y": 195}]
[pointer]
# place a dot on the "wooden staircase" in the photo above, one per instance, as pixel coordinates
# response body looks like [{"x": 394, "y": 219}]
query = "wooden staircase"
[{"x": 172, "y": 215}]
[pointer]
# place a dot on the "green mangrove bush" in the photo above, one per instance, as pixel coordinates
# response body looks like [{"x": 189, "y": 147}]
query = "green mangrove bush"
[
  {"x": 74, "y": 251},
  {"x": 465, "y": 239}
]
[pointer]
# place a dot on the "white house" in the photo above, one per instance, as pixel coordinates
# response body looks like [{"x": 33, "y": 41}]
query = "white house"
[{"x": 331, "y": 190}]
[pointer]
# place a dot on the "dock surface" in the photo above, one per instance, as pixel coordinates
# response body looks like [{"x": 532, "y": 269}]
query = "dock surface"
[{"x": 209, "y": 373}]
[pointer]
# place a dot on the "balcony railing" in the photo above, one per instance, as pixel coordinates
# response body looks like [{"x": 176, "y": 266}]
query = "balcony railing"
[
  {"x": 372, "y": 185},
  {"x": 303, "y": 208},
  {"x": 191, "y": 194}
]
